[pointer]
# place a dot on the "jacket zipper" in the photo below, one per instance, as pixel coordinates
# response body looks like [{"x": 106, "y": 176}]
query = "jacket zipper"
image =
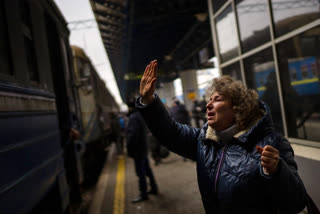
[{"x": 219, "y": 166}]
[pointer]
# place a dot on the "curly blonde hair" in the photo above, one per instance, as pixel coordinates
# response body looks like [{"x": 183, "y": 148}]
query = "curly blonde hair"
[{"x": 244, "y": 101}]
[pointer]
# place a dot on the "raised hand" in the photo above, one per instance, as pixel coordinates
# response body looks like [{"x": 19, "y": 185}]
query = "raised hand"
[
  {"x": 147, "y": 83},
  {"x": 269, "y": 158}
]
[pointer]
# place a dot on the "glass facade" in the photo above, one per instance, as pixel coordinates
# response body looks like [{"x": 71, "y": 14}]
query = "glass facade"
[
  {"x": 25, "y": 17},
  {"x": 299, "y": 64},
  {"x": 285, "y": 54},
  {"x": 227, "y": 34},
  {"x": 233, "y": 70},
  {"x": 261, "y": 76},
  {"x": 289, "y": 15},
  {"x": 217, "y": 4},
  {"x": 253, "y": 31}
]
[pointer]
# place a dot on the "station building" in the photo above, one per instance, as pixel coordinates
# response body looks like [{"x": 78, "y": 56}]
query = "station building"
[{"x": 273, "y": 47}]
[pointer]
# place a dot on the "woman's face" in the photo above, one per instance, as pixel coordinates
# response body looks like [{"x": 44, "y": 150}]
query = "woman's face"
[{"x": 220, "y": 112}]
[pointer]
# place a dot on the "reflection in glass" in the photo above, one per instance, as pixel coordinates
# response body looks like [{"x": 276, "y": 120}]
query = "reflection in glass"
[
  {"x": 233, "y": 70},
  {"x": 289, "y": 15},
  {"x": 227, "y": 34},
  {"x": 254, "y": 22},
  {"x": 299, "y": 65},
  {"x": 261, "y": 76},
  {"x": 217, "y": 4}
]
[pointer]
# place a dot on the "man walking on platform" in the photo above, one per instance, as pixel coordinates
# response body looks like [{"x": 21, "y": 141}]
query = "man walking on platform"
[{"x": 137, "y": 149}]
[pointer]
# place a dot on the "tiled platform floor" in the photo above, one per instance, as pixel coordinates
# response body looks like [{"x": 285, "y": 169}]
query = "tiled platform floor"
[{"x": 177, "y": 181}]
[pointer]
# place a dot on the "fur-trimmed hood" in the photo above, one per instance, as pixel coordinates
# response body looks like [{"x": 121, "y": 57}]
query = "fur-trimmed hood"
[{"x": 209, "y": 134}]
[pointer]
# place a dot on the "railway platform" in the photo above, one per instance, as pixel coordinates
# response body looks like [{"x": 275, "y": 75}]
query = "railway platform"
[
  {"x": 118, "y": 185},
  {"x": 177, "y": 182}
]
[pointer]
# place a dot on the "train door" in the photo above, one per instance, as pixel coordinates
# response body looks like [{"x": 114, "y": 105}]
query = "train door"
[
  {"x": 73, "y": 99},
  {"x": 59, "y": 69}
]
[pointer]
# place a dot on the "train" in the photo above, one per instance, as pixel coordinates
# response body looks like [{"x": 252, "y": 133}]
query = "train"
[
  {"x": 94, "y": 107},
  {"x": 41, "y": 99}
]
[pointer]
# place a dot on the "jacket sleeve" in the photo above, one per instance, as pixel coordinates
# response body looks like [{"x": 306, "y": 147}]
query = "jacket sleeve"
[
  {"x": 178, "y": 138},
  {"x": 289, "y": 189}
]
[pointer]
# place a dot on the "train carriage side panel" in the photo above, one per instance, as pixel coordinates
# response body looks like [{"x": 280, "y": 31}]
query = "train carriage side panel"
[{"x": 31, "y": 149}]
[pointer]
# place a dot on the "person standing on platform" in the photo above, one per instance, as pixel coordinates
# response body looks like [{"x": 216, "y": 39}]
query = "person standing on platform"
[
  {"x": 138, "y": 150},
  {"x": 116, "y": 133},
  {"x": 196, "y": 112},
  {"x": 243, "y": 165},
  {"x": 179, "y": 113}
]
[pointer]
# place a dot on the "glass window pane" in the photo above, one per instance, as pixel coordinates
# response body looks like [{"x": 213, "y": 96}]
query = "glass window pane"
[
  {"x": 29, "y": 41},
  {"x": 217, "y": 4},
  {"x": 5, "y": 62},
  {"x": 253, "y": 17},
  {"x": 299, "y": 65},
  {"x": 233, "y": 70},
  {"x": 261, "y": 76},
  {"x": 31, "y": 59},
  {"x": 227, "y": 35},
  {"x": 289, "y": 15}
]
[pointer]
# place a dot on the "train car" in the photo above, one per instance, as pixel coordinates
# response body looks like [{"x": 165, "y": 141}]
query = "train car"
[
  {"x": 304, "y": 76},
  {"x": 37, "y": 156},
  {"x": 95, "y": 105}
]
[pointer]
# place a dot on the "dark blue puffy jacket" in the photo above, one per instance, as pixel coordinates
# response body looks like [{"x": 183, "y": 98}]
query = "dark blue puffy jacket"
[{"x": 230, "y": 177}]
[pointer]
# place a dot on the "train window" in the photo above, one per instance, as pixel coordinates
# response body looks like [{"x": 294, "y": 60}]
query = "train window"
[
  {"x": 301, "y": 95},
  {"x": 25, "y": 17},
  {"x": 79, "y": 67},
  {"x": 5, "y": 59},
  {"x": 25, "y": 13},
  {"x": 314, "y": 70},
  {"x": 86, "y": 70},
  {"x": 293, "y": 72},
  {"x": 304, "y": 71}
]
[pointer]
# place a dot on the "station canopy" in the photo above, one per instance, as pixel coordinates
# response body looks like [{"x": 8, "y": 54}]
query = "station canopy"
[{"x": 134, "y": 32}]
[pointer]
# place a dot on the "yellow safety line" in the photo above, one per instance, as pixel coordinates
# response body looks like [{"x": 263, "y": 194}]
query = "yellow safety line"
[{"x": 118, "y": 203}]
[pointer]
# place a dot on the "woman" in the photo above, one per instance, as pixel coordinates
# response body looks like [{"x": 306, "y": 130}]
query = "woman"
[{"x": 243, "y": 166}]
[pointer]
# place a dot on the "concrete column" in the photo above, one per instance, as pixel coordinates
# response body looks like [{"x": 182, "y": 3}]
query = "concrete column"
[
  {"x": 189, "y": 87},
  {"x": 166, "y": 93}
]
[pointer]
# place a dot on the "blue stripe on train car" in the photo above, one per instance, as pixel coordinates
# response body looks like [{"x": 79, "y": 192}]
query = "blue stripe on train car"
[{"x": 30, "y": 158}]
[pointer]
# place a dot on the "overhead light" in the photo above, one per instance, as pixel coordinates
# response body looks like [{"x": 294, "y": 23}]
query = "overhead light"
[
  {"x": 201, "y": 17},
  {"x": 168, "y": 57}
]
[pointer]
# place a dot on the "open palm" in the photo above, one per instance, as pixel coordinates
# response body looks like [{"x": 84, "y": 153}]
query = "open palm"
[{"x": 147, "y": 83}]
